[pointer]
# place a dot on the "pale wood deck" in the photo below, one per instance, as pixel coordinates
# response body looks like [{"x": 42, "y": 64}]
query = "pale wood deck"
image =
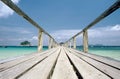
[{"x": 60, "y": 63}]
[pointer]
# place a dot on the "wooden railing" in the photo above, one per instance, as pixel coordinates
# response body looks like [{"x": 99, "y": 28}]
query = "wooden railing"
[
  {"x": 52, "y": 42},
  {"x": 110, "y": 10}
]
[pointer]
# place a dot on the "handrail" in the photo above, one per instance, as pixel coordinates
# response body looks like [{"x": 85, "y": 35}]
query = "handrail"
[
  {"x": 107, "y": 12},
  {"x": 13, "y": 6},
  {"x": 111, "y": 9},
  {"x": 25, "y": 16}
]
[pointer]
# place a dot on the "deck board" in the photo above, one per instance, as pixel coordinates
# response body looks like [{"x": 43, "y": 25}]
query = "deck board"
[
  {"x": 63, "y": 68},
  {"x": 108, "y": 70},
  {"x": 87, "y": 71},
  {"x": 15, "y": 71},
  {"x": 102, "y": 59},
  {"x": 43, "y": 69},
  {"x": 6, "y": 65}
]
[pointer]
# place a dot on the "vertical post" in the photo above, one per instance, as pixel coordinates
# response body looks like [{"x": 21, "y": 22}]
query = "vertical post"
[
  {"x": 74, "y": 42},
  {"x": 67, "y": 44},
  {"x": 85, "y": 41},
  {"x": 50, "y": 42},
  {"x": 70, "y": 44},
  {"x": 53, "y": 44},
  {"x": 40, "y": 41}
]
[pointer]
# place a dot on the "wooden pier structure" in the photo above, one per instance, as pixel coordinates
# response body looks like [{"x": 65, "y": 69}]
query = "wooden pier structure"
[{"x": 61, "y": 61}]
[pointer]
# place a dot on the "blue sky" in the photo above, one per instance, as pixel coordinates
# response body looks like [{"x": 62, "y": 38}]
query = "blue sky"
[{"x": 62, "y": 19}]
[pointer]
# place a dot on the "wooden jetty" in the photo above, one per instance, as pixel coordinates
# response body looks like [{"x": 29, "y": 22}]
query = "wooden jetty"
[{"x": 61, "y": 62}]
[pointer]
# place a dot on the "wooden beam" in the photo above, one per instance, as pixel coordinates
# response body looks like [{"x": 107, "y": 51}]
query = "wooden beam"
[
  {"x": 85, "y": 41},
  {"x": 40, "y": 41}
]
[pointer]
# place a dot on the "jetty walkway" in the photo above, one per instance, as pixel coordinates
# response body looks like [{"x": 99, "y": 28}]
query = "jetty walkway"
[{"x": 61, "y": 61}]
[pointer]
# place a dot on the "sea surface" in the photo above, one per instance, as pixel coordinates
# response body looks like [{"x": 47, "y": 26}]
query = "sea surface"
[
  {"x": 15, "y": 51},
  {"x": 107, "y": 51}
]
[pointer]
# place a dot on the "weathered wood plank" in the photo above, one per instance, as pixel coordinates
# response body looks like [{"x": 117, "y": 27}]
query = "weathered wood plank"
[
  {"x": 108, "y": 70},
  {"x": 105, "y": 60},
  {"x": 63, "y": 68},
  {"x": 43, "y": 69},
  {"x": 18, "y": 70},
  {"x": 6, "y": 65},
  {"x": 87, "y": 71}
]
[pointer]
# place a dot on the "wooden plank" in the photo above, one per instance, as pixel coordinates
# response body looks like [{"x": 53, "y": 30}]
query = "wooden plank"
[
  {"x": 108, "y": 70},
  {"x": 18, "y": 70},
  {"x": 105, "y": 60},
  {"x": 63, "y": 68},
  {"x": 14, "y": 62},
  {"x": 43, "y": 69},
  {"x": 87, "y": 71},
  {"x": 6, "y": 65}
]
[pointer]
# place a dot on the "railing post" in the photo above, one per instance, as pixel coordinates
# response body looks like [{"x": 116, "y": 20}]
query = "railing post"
[
  {"x": 53, "y": 44},
  {"x": 67, "y": 44},
  {"x": 50, "y": 43},
  {"x": 70, "y": 44},
  {"x": 74, "y": 42},
  {"x": 40, "y": 41},
  {"x": 85, "y": 41}
]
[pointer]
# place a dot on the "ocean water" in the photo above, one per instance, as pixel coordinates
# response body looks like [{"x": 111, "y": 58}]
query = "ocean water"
[
  {"x": 107, "y": 51},
  {"x": 14, "y": 51}
]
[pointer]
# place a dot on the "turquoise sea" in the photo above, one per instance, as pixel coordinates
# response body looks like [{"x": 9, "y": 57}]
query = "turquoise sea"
[
  {"x": 107, "y": 51},
  {"x": 14, "y": 51}
]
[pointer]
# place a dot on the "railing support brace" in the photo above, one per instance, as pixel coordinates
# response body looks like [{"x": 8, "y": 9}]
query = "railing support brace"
[
  {"x": 40, "y": 41},
  {"x": 85, "y": 41}
]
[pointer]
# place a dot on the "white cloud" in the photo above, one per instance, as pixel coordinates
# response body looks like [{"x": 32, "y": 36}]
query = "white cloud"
[
  {"x": 116, "y": 27},
  {"x": 105, "y": 32},
  {"x": 109, "y": 35},
  {"x": 24, "y": 31},
  {"x": 102, "y": 35},
  {"x": 64, "y": 34},
  {"x": 14, "y": 30},
  {"x": 17, "y": 39},
  {"x": 34, "y": 38},
  {"x": 5, "y": 11}
]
